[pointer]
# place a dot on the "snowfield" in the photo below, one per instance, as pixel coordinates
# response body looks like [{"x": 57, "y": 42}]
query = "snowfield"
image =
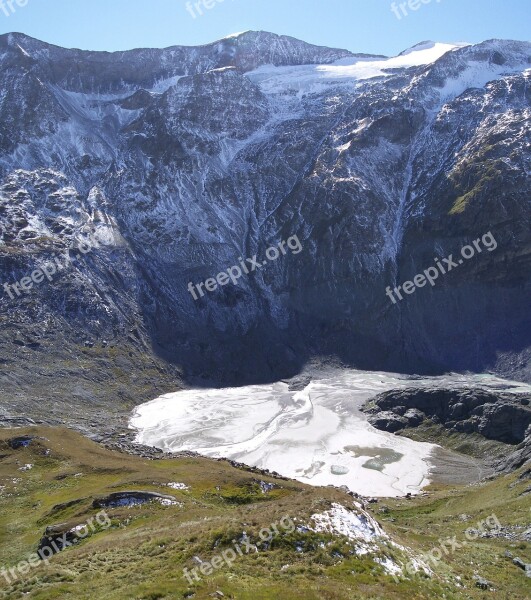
[{"x": 309, "y": 79}]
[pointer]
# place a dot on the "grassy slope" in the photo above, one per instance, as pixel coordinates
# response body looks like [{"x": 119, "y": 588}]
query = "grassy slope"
[{"x": 142, "y": 555}]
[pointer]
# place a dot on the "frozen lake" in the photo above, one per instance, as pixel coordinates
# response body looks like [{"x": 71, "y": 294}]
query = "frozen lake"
[{"x": 316, "y": 435}]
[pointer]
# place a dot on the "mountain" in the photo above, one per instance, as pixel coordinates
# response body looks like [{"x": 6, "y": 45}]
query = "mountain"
[{"x": 172, "y": 165}]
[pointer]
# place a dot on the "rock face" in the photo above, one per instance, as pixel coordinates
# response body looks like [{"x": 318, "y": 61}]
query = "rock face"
[
  {"x": 172, "y": 164},
  {"x": 502, "y": 417}
]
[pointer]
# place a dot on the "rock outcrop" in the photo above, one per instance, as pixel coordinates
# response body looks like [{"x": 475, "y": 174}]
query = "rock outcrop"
[{"x": 502, "y": 417}]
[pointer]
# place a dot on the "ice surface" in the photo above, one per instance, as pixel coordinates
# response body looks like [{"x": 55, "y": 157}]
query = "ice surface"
[{"x": 303, "y": 434}]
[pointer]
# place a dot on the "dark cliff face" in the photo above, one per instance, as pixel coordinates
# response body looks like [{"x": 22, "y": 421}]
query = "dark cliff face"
[
  {"x": 500, "y": 416},
  {"x": 181, "y": 161},
  {"x": 497, "y": 416}
]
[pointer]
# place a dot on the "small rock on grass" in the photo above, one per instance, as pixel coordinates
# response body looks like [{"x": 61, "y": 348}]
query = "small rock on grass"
[{"x": 482, "y": 583}]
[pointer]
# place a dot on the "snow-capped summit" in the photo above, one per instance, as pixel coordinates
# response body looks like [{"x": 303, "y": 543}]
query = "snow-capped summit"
[
  {"x": 425, "y": 53},
  {"x": 235, "y": 35},
  {"x": 436, "y": 47}
]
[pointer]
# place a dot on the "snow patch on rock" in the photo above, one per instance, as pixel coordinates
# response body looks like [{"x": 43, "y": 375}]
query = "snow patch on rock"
[{"x": 353, "y": 524}]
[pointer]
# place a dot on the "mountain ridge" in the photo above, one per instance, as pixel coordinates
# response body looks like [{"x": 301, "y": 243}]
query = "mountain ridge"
[{"x": 185, "y": 166}]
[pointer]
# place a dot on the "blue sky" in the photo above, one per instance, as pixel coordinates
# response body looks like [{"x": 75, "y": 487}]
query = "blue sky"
[{"x": 358, "y": 25}]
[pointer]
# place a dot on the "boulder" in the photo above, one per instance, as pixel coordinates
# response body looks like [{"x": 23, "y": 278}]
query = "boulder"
[
  {"x": 131, "y": 498},
  {"x": 388, "y": 421},
  {"x": 483, "y": 583}
]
